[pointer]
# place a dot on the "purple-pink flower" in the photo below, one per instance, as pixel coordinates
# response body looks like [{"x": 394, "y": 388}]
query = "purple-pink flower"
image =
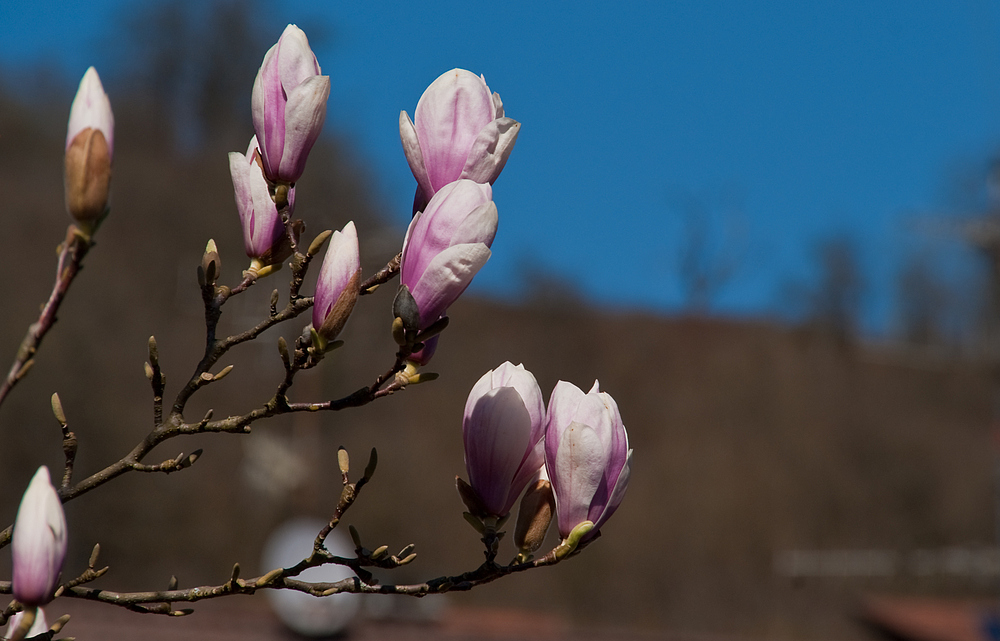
[
  {"x": 39, "y": 542},
  {"x": 289, "y": 105},
  {"x": 586, "y": 455},
  {"x": 264, "y": 236},
  {"x": 458, "y": 131},
  {"x": 503, "y": 429},
  {"x": 446, "y": 245},
  {"x": 337, "y": 285}
]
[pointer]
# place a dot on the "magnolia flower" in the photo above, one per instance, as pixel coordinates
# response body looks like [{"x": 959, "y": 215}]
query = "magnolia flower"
[
  {"x": 503, "y": 429},
  {"x": 39, "y": 542},
  {"x": 446, "y": 245},
  {"x": 89, "y": 149},
  {"x": 264, "y": 236},
  {"x": 459, "y": 131},
  {"x": 337, "y": 285},
  {"x": 289, "y": 105},
  {"x": 586, "y": 455}
]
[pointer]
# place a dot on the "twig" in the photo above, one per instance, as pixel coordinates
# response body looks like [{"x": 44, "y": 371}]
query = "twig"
[
  {"x": 71, "y": 254},
  {"x": 382, "y": 276}
]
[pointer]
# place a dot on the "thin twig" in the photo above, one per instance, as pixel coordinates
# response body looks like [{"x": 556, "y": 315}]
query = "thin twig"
[
  {"x": 71, "y": 254},
  {"x": 383, "y": 275}
]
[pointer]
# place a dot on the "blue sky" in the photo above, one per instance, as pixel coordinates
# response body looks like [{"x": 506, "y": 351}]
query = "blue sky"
[{"x": 791, "y": 122}]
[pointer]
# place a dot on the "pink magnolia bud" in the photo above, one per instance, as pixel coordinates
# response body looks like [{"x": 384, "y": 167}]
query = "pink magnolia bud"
[
  {"x": 289, "y": 105},
  {"x": 89, "y": 149},
  {"x": 446, "y": 245},
  {"x": 459, "y": 131},
  {"x": 337, "y": 285},
  {"x": 586, "y": 455},
  {"x": 39, "y": 542},
  {"x": 264, "y": 236},
  {"x": 503, "y": 430}
]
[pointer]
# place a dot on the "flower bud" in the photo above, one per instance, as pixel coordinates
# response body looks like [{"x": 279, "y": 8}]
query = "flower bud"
[
  {"x": 210, "y": 267},
  {"x": 459, "y": 131},
  {"x": 289, "y": 105},
  {"x": 446, "y": 245},
  {"x": 502, "y": 430},
  {"x": 39, "y": 542},
  {"x": 264, "y": 236},
  {"x": 89, "y": 149},
  {"x": 337, "y": 285},
  {"x": 534, "y": 515},
  {"x": 586, "y": 455}
]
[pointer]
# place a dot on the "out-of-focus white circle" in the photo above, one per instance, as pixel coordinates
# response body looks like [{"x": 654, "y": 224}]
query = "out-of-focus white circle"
[{"x": 304, "y": 613}]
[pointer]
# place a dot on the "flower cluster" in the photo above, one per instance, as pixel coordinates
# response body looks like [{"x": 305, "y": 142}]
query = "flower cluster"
[
  {"x": 576, "y": 452},
  {"x": 570, "y": 460},
  {"x": 456, "y": 146}
]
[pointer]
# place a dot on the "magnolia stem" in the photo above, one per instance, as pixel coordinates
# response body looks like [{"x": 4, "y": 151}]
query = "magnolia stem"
[{"x": 71, "y": 254}]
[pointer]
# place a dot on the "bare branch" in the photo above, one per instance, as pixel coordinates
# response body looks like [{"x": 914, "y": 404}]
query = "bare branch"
[{"x": 71, "y": 254}]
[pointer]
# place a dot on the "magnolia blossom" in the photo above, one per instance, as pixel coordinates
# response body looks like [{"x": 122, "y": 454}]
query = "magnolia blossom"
[
  {"x": 586, "y": 455},
  {"x": 289, "y": 105},
  {"x": 459, "y": 131},
  {"x": 503, "y": 429},
  {"x": 446, "y": 245},
  {"x": 89, "y": 150},
  {"x": 264, "y": 236},
  {"x": 39, "y": 542},
  {"x": 337, "y": 285}
]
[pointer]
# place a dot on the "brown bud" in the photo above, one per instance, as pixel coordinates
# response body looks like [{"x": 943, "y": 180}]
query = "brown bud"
[
  {"x": 88, "y": 178},
  {"x": 341, "y": 310},
  {"x": 534, "y": 516},
  {"x": 211, "y": 265}
]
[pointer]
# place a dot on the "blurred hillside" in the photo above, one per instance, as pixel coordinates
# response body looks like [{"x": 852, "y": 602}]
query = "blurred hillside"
[{"x": 750, "y": 438}]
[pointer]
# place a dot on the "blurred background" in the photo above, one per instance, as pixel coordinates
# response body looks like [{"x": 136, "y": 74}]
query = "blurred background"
[{"x": 771, "y": 230}]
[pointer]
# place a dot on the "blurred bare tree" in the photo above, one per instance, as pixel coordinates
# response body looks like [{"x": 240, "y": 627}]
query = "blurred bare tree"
[
  {"x": 831, "y": 304},
  {"x": 712, "y": 248},
  {"x": 194, "y": 64},
  {"x": 923, "y": 303}
]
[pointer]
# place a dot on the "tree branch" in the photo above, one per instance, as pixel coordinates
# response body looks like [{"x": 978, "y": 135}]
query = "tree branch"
[{"x": 71, "y": 254}]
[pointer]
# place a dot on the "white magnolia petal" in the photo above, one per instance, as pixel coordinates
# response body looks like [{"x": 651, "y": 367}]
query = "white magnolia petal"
[
  {"x": 495, "y": 440},
  {"x": 446, "y": 277},
  {"x": 480, "y": 226},
  {"x": 576, "y": 474},
  {"x": 489, "y": 152},
  {"x": 411, "y": 149},
  {"x": 617, "y": 492},
  {"x": 305, "y": 114}
]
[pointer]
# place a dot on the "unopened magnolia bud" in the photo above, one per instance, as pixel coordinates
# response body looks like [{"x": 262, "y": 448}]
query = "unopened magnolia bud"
[
  {"x": 211, "y": 265},
  {"x": 288, "y": 104},
  {"x": 38, "y": 542},
  {"x": 405, "y": 307},
  {"x": 534, "y": 516},
  {"x": 88, "y": 177},
  {"x": 57, "y": 409},
  {"x": 89, "y": 148}
]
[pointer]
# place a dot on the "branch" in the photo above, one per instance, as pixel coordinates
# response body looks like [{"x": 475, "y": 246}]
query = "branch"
[
  {"x": 382, "y": 276},
  {"x": 160, "y": 602},
  {"x": 71, "y": 254}
]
